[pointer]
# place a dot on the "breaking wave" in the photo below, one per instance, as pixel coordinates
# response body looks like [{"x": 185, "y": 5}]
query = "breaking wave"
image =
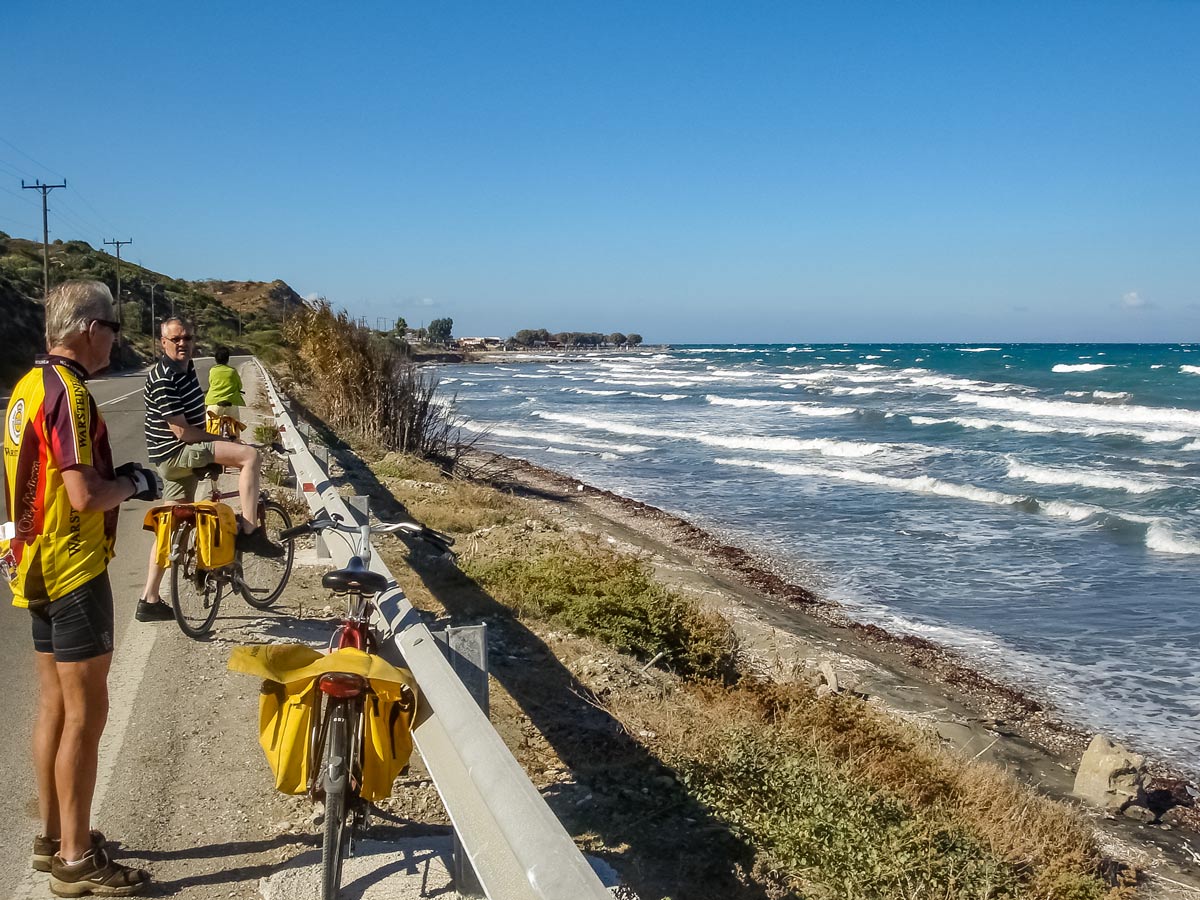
[
  {"x": 1064, "y": 409},
  {"x": 1080, "y": 477},
  {"x": 1080, "y": 367},
  {"x": 824, "y": 446}
]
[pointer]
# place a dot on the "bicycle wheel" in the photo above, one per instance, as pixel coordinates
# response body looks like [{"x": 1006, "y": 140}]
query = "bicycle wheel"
[
  {"x": 263, "y": 580},
  {"x": 195, "y": 593},
  {"x": 336, "y": 773}
]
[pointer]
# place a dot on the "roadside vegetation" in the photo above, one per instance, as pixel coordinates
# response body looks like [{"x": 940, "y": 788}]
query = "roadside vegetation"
[
  {"x": 363, "y": 385},
  {"x": 831, "y": 796}
]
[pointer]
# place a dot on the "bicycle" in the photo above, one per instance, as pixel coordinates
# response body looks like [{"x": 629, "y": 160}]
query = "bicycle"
[
  {"x": 197, "y": 585},
  {"x": 338, "y": 737}
]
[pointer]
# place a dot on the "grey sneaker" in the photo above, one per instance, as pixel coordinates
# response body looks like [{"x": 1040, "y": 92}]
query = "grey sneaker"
[
  {"x": 45, "y": 847},
  {"x": 96, "y": 874},
  {"x": 154, "y": 612}
]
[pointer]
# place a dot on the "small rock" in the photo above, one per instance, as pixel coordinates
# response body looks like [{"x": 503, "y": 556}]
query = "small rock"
[
  {"x": 1138, "y": 814},
  {"x": 1109, "y": 776}
]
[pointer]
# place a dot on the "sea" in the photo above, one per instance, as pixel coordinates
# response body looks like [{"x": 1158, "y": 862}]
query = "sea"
[{"x": 1033, "y": 506}]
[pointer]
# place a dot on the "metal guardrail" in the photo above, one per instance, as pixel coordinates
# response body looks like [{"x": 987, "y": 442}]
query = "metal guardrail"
[{"x": 517, "y": 847}]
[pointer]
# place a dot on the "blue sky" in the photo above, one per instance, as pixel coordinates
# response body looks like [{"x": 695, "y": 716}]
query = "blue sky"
[{"x": 690, "y": 171}]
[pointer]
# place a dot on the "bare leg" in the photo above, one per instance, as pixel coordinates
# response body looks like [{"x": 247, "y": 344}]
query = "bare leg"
[
  {"x": 245, "y": 458},
  {"x": 47, "y": 732},
  {"x": 85, "y": 707}
]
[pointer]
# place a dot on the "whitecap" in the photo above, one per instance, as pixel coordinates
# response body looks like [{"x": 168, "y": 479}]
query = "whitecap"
[
  {"x": 1161, "y": 539},
  {"x": 1124, "y": 415},
  {"x": 1190, "y": 370},
  {"x": 1081, "y": 367},
  {"x": 927, "y": 484},
  {"x": 1079, "y": 477},
  {"x": 977, "y": 349},
  {"x": 717, "y": 400},
  {"x": 768, "y": 443}
]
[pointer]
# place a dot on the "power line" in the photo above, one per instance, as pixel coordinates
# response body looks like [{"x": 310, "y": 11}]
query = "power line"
[
  {"x": 88, "y": 204},
  {"x": 20, "y": 197},
  {"x": 45, "y": 189},
  {"x": 28, "y": 157}
]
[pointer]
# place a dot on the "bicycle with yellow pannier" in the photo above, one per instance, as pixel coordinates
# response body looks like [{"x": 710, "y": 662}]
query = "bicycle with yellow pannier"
[{"x": 197, "y": 541}]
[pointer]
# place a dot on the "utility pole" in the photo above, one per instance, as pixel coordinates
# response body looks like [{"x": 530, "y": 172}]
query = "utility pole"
[
  {"x": 45, "y": 189},
  {"x": 153, "y": 288},
  {"x": 118, "y": 245}
]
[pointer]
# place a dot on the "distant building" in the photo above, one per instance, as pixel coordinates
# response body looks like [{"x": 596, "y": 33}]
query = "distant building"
[{"x": 479, "y": 343}]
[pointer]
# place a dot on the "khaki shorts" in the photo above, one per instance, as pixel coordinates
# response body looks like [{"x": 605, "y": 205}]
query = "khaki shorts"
[{"x": 178, "y": 472}]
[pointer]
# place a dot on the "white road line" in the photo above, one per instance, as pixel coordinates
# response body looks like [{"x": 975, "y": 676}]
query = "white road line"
[
  {"x": 122, "y": 397},
  {"x": 124, "y": 680}
]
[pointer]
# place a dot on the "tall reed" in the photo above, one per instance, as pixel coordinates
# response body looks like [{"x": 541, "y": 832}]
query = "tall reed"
[{"x": 361, "y": 383}]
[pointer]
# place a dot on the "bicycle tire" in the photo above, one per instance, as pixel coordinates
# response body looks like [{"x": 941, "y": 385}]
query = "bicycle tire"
[
  {"x": 336, "y": 773},
  {"x": 262, "y": 579},
  {"x": 195, "y": 593}
]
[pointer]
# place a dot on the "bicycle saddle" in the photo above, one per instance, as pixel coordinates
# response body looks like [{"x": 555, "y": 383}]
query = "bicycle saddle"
[
  {"x": 212, "y": 470},
  {"x": 353, "y": 579}
]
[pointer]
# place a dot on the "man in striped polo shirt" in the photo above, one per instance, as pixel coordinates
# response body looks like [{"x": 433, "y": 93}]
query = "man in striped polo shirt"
[{"x": 177, "y": 445}]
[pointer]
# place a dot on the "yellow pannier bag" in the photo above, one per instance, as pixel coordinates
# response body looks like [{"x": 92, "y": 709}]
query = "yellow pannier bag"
[
  {"x": 285, "y": 724},
  {"x": 214, "y": 423},
  {"x": 288, "y": 701},
  {"x": 387, "y": 743},
  {"x": 216, "y": 532},
  {"x": 158, "y": 520}
]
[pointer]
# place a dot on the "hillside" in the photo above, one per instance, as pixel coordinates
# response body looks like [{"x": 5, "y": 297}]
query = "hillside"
[{"x": 239, "y": 314}]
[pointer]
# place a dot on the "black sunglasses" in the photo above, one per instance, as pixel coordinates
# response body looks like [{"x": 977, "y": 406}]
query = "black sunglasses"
[
  {"x": 181, "y": 339},
  {"x": 115, "y": 327}
]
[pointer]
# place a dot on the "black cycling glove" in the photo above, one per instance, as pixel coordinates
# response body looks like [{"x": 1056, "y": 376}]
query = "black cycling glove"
[{"x": 145, "y": 482}]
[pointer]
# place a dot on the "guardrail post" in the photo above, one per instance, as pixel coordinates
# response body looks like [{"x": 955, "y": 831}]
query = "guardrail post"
[{"x": 466, "y": 649}]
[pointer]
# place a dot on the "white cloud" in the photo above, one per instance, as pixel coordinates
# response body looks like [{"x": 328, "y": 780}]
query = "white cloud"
[{"x": 1133, "y": 300}]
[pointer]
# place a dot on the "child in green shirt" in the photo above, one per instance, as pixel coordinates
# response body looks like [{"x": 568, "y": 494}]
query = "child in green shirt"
[{"x": 224, "y": 386}]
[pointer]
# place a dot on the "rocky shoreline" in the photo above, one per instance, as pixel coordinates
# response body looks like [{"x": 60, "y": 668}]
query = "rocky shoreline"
[{"x": 912, "y": 676}]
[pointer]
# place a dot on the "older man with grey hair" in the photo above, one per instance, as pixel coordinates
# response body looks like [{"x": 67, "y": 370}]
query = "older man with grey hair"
[
  {"x": 178, "y": 445},
  {"x": 62, "y": 494}
]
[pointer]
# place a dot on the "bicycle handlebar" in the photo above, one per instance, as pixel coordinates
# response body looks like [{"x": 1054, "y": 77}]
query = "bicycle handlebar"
[{"x": 333, "y": 522}]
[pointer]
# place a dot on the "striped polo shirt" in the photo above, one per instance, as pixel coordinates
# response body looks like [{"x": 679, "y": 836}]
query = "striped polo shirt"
[
  {"x": 52, "y": 425},
  {"x": 170, "y": 392}
]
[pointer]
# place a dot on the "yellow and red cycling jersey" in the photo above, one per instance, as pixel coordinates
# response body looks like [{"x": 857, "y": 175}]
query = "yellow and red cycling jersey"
[{"x": 52, "y": 424}]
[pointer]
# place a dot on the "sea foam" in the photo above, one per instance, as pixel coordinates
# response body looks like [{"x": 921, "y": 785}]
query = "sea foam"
[
  {"x": 1083, "y": 478},
  {"x": 1064, "y": 409}
]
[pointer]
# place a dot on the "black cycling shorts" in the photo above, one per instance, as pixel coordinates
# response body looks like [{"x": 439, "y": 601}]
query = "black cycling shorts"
[{"x": 78, "y": 625}]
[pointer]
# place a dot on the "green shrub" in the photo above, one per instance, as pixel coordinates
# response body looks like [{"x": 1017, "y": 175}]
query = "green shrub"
[{"x": 614, "y": 598}]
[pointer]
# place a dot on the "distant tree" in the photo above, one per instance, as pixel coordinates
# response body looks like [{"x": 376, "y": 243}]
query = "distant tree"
[
  {"x": 527, "y": 337},
  {"x": 439, "y": 330},
  {"x": 633, "y": 339},
  {"x": 616, "y": 338},
  {"x": 400, "y": 327}
]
